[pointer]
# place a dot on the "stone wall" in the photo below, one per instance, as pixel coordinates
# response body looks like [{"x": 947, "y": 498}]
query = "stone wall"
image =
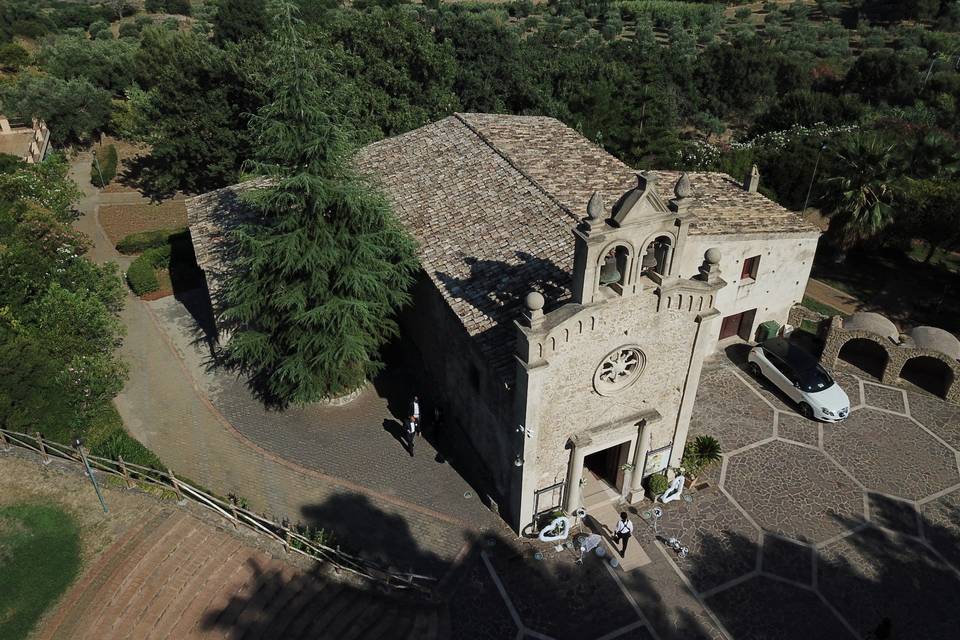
[
  {"x": 477, "y": 405},
  {"x": 785, "y": 263},
  {"x": 897, "y": 355}
]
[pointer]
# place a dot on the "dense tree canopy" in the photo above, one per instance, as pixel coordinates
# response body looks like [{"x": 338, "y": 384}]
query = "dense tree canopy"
[
  {"x": 78, "y": 109},
  {"x": 325, "y": 267}
]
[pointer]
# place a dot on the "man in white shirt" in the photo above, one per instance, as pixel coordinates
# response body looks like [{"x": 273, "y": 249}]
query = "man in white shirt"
[
  {"x": 623, "y": 532},
  {"x": 415, "y": 411}
]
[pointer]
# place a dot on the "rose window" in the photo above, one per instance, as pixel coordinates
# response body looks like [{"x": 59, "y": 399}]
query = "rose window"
[{"x": 619, "y": 369}]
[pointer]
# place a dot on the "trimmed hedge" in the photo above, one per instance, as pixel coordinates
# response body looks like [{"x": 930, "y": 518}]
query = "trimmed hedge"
[
  {"x": 138, "y": 242},
  {"x": 107, "y": 160},
  {"x": 141, "y": 274},
  {"x": 142, "y": 277}
]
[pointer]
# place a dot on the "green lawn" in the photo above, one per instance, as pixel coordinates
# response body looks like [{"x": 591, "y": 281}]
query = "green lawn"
[
  {"x": 819, "y": 307},
  {"x": 39, "y": 558}
]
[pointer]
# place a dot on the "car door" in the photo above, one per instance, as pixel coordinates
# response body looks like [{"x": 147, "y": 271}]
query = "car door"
[{"x": 780, "y": 374}]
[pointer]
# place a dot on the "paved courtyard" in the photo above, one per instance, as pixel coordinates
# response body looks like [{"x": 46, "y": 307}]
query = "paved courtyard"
[{"x": 812, "y": 530}]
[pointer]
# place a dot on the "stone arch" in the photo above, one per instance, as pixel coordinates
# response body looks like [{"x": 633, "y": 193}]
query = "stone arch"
[
  {"x": 865, "y": 353},
  {"x": 658, "y": 253},
  {"x": 930, "y": 373},
  {"x": 622, "y": 254}
]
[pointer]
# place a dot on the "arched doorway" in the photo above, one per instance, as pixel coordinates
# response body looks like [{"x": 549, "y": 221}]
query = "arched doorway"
[
  {"x": 865, "y": 354},
  {"x": 928, "y": 373}
]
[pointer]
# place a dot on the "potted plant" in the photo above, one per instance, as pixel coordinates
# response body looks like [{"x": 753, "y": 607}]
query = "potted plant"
[{"x": 699, "y": 454}]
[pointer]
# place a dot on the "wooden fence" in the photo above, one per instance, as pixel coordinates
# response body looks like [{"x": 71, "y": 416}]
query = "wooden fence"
[{"x": 292, "y": 540}]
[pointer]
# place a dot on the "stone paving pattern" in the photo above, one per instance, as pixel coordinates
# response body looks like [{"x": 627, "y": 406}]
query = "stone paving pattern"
[
  {"x": 798, "y": 429},
  {"x": 897, "y": 563},
  {"x": 794, "y": 491},
  {"x": 875, "y": 574},
  {"x": 744, "y": 418},
  {"x": 762, "y": 609},
  {"x": 891, "y": 454},
  {"x": 884, "y": 397}
]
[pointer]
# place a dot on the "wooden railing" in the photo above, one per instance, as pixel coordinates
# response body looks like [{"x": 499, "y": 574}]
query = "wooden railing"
[{"x": 292, "y": 540}]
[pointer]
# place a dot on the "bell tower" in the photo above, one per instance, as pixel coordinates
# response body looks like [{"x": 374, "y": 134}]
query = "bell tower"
[{"x": 638, "y": 240}]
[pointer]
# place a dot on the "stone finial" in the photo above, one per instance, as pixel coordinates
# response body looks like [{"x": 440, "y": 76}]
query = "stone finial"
[
  {"x": 752, "y": 181},
  {"x": 595, "y": 209},
  {"x": 683, "y": 189},
  {"x": 646, "y": 180},
  {"x": 534, "y": 303},
  {"x": 710, "y": 269}
]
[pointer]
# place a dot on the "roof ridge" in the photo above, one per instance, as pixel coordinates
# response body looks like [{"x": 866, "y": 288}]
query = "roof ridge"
[{"x": 516, "y": 167}]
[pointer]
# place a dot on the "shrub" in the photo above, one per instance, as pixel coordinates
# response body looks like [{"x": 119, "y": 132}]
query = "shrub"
[
  {"x": 700, "y": 454},
  {"x": 97, "y": 27},
  {"x": 129, "y": 30},
  {"x": 138, "y": 242},
  {"x": 657, "y": 484},
  {"x": 106, "y": 162},
  {"x": 141, "y": 276}
]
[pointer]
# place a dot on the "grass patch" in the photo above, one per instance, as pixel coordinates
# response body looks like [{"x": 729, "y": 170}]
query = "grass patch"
[
  {"x": 819, "y": 307},
  {"x": 39, "y": 558},
  {"x": 108, "y": 439},
  {"x": 138, "y": 242}
]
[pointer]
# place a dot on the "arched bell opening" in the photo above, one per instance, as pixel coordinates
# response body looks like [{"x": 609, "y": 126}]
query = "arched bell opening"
[
  {"x": 615, "y": 268},
  {"x": 656, "y": 259}
]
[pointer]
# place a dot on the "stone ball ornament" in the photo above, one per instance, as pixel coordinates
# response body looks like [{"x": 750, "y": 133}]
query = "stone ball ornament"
[
  {"x": 534, "y": 301},
  {"x": 712, "y": 255},
  {"x": 619, "y": 370}
]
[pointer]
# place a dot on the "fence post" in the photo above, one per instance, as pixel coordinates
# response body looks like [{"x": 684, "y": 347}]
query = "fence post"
[
  {"x": 5, "y": 442},
  {"x": 176, "y": 487},
  {"x": 126, "y": 474},
  {"x": 286, "y": 538},
  {"x": 233, "y": 512},
  {"x": 43, "y": 449}
]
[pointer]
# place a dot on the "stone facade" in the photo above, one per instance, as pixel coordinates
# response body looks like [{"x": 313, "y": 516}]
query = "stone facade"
[
  {"x": 784, "y": 261},
  {"x": 660, "y": 320},
  {"x": 897, "y": 354}
]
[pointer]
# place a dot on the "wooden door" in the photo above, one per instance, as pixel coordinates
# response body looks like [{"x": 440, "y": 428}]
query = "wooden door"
[{"x": 730, "y": 326}]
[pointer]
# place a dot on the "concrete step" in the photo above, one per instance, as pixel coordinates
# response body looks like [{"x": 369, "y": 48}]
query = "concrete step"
[
  {"x": 84, "y": 600},
  {"x": 204, "y": 592},
  {"x": 193, "y": 585},
  {"x": 271, "y": 584},
  {"x": 280, "y": 607},
  {"x": 164, "y": 588},
  {"x": 228, "y": 604},
  {"x": 322, "y": 600},
  {"x": 116, "y": 594},
  {"x": 334, "y": 608},
  {"x": 296, "y": 615}
]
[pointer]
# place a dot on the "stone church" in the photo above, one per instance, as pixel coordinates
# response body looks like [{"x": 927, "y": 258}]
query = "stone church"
[{"x": 566, "y": 302}]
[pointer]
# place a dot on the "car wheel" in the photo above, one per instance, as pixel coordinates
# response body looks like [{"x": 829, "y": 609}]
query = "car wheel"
[
  {"x": 754, "y": 369},
  {"x": 806, "y": 411}
]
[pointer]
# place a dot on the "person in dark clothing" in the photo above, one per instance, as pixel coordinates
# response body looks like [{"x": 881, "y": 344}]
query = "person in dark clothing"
[
  {"x": 623, "y": 531},
  {"x": 410, "y": 431}
]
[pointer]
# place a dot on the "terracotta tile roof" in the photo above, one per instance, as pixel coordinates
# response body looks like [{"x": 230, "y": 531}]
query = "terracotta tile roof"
[{"x": 492, "y": 200}]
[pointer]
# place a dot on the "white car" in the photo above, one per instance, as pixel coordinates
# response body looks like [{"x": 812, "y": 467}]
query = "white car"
[{"x": 800, "y": 376}]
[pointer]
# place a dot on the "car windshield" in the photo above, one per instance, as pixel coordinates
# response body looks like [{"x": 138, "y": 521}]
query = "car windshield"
[{"x": 814, "y": 380}]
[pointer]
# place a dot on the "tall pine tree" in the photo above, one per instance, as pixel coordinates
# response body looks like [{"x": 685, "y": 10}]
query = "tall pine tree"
[{"x": 326, "y": 265}]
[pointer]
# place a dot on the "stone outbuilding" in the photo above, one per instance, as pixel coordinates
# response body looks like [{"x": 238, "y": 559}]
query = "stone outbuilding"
[
  {"x": 926, "y": 356},
  {"x": 566, "y": 302},
  {"x": 28, "y": 141}
]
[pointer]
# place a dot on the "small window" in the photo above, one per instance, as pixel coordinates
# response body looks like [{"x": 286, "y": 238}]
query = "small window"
[{"x": 750, "y": 266}]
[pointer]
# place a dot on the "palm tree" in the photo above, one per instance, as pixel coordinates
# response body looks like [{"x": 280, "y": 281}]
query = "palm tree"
[
  {"x": 859, "y": 199},
  {"x": 934, "y": 154}
]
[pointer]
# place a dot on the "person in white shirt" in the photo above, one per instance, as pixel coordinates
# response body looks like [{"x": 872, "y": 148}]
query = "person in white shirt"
[
  {"x": 623, "y": 532},
  {"x": 415, "y": 411}
]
